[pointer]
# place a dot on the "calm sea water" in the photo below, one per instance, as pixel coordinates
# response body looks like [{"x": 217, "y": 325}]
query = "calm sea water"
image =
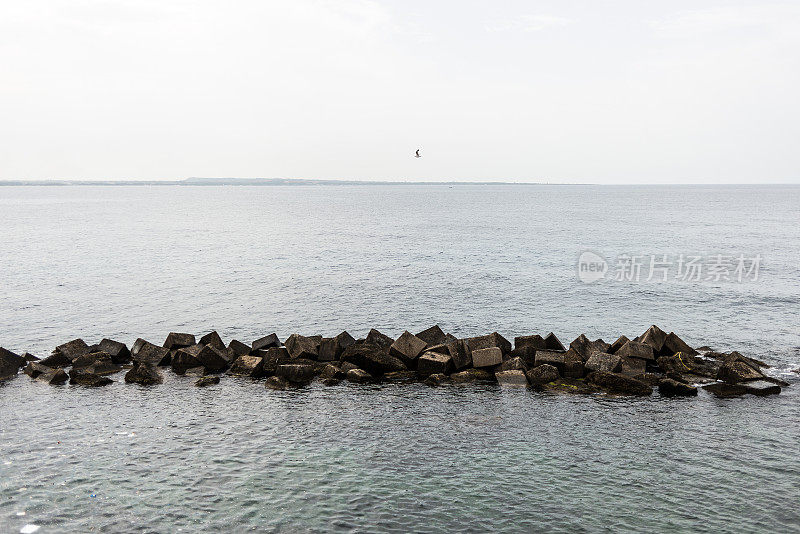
[{"x": 125, "y": 262}]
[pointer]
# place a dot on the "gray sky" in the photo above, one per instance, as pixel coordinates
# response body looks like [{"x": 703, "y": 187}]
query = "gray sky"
[{"x": 582, "y": 91}]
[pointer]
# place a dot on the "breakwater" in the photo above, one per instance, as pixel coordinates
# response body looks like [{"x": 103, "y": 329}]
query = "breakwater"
[{"x": 654, "y": 360}]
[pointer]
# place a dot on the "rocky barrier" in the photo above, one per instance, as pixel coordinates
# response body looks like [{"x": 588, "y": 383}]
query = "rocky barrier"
[{"x": 655, "y": 359}]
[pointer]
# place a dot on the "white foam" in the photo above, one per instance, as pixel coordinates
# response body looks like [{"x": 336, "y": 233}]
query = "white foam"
[{"x": 29, "y": 529}]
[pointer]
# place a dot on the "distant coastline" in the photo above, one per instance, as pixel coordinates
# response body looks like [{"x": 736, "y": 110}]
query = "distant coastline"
[{"x": 252, "y": 181}]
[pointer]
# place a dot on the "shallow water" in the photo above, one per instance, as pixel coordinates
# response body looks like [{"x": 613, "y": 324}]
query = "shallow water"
[{"x": 122, "y": 262}]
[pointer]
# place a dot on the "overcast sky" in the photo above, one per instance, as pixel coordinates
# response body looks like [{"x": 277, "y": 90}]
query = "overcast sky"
[{"x": 557, "y": 91}]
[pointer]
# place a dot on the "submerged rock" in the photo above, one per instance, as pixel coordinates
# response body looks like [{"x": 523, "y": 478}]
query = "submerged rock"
[
  {"x": 542, "y": 374},
  {"x": 144, "y": 374},
  {"x": 572, "y": 386},
  {"x": 277, "y": 382},
  {"x": 619, "y": 384},
  {"x": 668, "y": 387},
  {"x": 511, "y": 378},
  {"x": 436, "y": 379},
  {"x": 207, "y": 381},
  {"x": 86, "y": 378},
  {"x": 469, "y": 376},
  {"x": 252, "y": 366},
  {"x": 359, "y": 376},
  {"x": 727, "y": 390},
  {"x": 400, "y": 376}
]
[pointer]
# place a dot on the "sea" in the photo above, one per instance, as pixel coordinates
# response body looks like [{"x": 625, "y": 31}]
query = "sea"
[{"x": 718, "y": 265}]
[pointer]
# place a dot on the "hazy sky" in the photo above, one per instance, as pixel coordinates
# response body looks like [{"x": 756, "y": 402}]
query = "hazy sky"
[{"x": 583, "y": 91}]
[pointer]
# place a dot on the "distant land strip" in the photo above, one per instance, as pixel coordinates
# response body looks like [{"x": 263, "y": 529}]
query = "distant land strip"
[{"x": 252, "y": 181}]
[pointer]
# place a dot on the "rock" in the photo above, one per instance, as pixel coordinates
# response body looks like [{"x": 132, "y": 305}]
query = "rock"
[
  {"x": 536, "y": 341},
  {"x": 571, "y": 386},
  {"x": 267, "y": 342},
  {"x": 177, "y": 340},
  {"x": 28, "y": 357},
  {"x": 53, "y": 376},
  {"x": 654, "y": 337},
  {"x": 631, "y": 366},
  {"x": 573, "y": 365},
  {"x": 84, "y": 378},
  {"x": 431, "y": 363},
  {"x": 212, "y": 359},
  {"x": 118, "y": 351},
  {"x": 207, "y": 381},
  {"x": 56, "y": 359},
  {"x": 542, "y": 374},
  {"x": 634, "y": 349},
  {"x": 372, "y": 359},
  {"x": 584, "y": 347},
  {"x": 435, "y": 380},
  {"x": 73, "y": 349},
  {"x": 346, "y": 366},
  {"x": 513, "y": 364},
  {"x": 103, "y": 366},
  {"x": 493, "y": 340},
  {"x": 550, "y": 357},
  {"x": 332, "y": 371},
  {"x": 89, "y": 359},
  {"x": 680, "y": 364},
  {"x": 433, "y": 336},
  {"x": 459, "y": 353},
  {"x": 376, "y": 338},
  {"x": 273, "y": 357},
  {"x": 277, "y": 382},
  {"x": 512, "y": 378},
  {"x": 34, "y": 369},
  {"x": 618, "y": 344},
  {"x": 296, "y": 373},
  {"x": 238, "y": 348},
  {"x": 331, "y": 381},
  {"x": 488, "y": 357},
  {"x": 468, "y": 376},
  {"x": 196, "y": 371},
  {"x": 735, "y": 369},
  {"x": 408, "y": 347},
  {"x": 303, "y": 346},
  {"x": 184, "y": 359},
  {"x": 144, "y": 374},
  {"x": 551, "y": 342},
  {"x": 213, "y": 339},
  {"x": 526, "y": 354},
  {"x": 619, "y": 384},
  {"x": 147, "y": 353},
  {"x": 359, "y": 376},
  {"x": 653, "y": 379},
  {"x": 727, "y": 390},
  {"x": 9, "y": 364},
  {"x": 603, "y": 361},
  {"x": 668, "y": 387},
  {"x": 8, "y": 358},
  {"x": 673, "y": 344},
  {"x": 331, "y": 349},
  {"x": 400, "y": 376},
  {"x": 252, "y": 366}
]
